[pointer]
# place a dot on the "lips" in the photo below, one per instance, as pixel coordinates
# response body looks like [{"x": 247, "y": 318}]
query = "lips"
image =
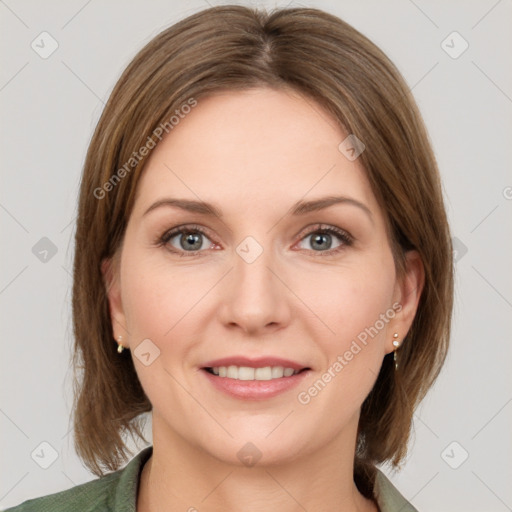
[{"x": 247, "y": 386}]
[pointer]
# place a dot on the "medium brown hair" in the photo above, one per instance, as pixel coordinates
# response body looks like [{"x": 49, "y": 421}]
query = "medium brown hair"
[{"x": 330, "y": 63}]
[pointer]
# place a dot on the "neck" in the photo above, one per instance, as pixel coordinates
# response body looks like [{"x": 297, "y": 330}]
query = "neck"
[{"x": 182, "y": 477}]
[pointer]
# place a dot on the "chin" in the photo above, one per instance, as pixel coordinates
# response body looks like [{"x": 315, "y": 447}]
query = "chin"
[{"x": 260, "y": 449}]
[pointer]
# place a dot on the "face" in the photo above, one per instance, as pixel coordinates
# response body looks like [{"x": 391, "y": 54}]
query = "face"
[{"x": 258, "y": 275}]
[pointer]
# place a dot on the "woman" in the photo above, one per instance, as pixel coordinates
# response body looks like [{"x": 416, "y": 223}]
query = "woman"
[{"x": 263, "y": 261}]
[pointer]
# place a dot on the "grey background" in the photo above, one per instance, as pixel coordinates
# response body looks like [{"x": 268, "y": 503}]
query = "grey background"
[{"x": 49, "y": 109}]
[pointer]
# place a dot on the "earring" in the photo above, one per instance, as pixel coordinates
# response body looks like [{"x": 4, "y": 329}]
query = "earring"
[
  {"x": 396, "y": 344},
  {"x": 120, "y": 347}
]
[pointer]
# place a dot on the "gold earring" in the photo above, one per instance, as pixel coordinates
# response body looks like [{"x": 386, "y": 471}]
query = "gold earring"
[
  {"x": 396, "y": 344},
  {"x": 120, "y": 347}
]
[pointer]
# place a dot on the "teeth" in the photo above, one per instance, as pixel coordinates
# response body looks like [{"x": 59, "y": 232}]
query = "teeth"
[
  {"x": 244, "y": 373},
  {"x": 263, "y": 373},
  {"x": 232, "y": 372},
  {"x": 248, "y": 373},
  {"x": 277, "y": 371}
]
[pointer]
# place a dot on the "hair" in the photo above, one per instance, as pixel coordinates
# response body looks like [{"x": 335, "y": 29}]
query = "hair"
[{"x": 329, "y": 62}]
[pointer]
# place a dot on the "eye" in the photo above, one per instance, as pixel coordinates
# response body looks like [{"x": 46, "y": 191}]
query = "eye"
[
  {"x": 185, "y": 239},
  {"x": 321, "y": 239},
  {"x": 191, "y": 240}
]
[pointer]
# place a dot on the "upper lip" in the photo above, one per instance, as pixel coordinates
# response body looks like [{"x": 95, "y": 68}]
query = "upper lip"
[{"x": 259, "y": 362}]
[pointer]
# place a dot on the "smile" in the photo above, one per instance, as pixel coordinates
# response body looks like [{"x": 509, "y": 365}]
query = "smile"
[{"x": 249, "y": 373}]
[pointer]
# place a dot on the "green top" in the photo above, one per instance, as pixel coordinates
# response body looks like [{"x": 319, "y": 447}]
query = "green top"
[{"x": 117, "y": 491}]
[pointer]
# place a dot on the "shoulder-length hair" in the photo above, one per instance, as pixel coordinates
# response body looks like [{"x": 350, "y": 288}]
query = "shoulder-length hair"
[{"x": 236, "y": 48}]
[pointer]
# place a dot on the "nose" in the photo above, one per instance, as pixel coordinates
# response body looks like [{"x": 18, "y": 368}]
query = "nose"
[{"x": 255, "y": 298}]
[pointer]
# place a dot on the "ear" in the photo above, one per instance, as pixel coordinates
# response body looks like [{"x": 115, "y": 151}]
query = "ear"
[
  {"x": 408, "y": 291},
  {"x": 110, "y": 272}
]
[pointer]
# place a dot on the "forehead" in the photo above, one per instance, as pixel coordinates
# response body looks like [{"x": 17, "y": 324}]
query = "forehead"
[{"x": 250, "y": 149}]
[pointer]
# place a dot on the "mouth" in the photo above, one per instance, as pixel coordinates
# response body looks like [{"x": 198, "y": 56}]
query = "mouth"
[{"x": 246, "y": 379}]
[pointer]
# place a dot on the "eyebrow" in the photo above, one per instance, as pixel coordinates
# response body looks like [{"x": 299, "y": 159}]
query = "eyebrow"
[{"x": 299, "y": 208}]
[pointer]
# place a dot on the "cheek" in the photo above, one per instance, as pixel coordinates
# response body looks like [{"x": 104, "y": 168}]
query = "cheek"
[
  {"x": 157, "y": 306},
  {"x": 357, "y": 306},
  {"x": 349, "y": 300},
  {"x": 354, "y": 305},
  {"x": 155, "y": 297}
]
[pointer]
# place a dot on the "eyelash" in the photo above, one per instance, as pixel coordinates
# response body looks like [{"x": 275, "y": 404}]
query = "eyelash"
[{"x": 344, "y": 237}]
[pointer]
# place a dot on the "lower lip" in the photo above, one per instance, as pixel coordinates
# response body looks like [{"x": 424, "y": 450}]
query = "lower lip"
[{"x": 255, "y": 389}]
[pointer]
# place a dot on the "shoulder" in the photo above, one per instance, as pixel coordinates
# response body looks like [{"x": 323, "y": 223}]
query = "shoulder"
[
  {"x": 388, "y": 497},
  {"x": 86, "y": 497},
  {"x": 109, "y": 493}
]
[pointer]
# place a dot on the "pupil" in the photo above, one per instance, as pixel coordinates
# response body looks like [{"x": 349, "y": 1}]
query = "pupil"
[
  {"x": 193, "y": 240},
  {"x": 318, "y": 239}
]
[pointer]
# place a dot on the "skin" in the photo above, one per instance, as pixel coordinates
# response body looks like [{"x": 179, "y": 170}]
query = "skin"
[{"x": 253, "y": 154}]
